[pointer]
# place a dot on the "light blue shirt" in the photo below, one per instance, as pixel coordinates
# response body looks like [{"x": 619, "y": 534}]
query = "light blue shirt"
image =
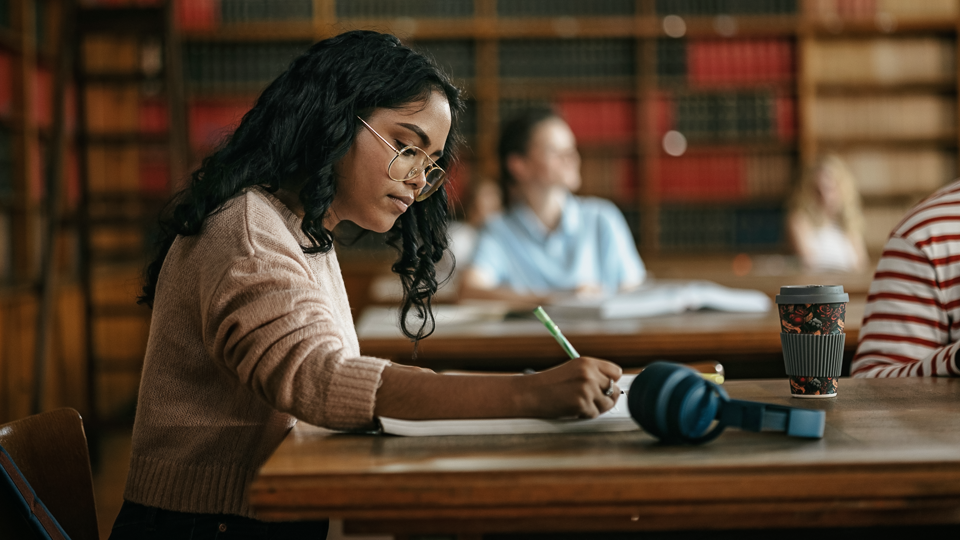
[{"x": 591, "y": 245}]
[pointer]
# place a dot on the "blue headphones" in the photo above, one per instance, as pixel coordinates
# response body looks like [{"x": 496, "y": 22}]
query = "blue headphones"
[{"x": 675, "y": 404}]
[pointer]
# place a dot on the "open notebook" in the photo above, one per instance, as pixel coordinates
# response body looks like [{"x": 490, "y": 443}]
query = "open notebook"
[
  {"x": 616, "y": 419},
  {"x": 662, "y": 297}
]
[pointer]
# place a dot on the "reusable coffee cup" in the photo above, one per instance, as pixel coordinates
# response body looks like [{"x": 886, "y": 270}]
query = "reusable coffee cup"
[{"x": 811, "y": 333}]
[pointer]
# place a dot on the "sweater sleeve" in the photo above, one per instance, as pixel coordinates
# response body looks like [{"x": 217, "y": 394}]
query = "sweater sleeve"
[
  {"x": 905, "y": 329},
  {"x": 267, "y": 322}
]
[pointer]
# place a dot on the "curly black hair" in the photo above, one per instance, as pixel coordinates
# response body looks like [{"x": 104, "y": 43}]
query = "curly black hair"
[{"x": 301, "y": 125}]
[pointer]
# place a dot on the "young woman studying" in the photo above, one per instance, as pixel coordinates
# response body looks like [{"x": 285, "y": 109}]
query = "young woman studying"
[{"x": 251, "y": 327}]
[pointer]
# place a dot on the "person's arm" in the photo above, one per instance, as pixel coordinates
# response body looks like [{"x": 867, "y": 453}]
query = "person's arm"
[
  {"x": 573, "y": 389},
  {"x": 906, "y": 327},
  {"x": 619, "y": 250}
]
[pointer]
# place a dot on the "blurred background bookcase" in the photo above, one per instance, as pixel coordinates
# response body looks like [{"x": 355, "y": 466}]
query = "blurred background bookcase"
[{"x": 694, "y": 116}]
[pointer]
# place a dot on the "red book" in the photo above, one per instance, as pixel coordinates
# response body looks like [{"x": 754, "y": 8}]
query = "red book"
[
  {"x": 6, "y": 83},
  {"x": 36, "y": 189},
  {"x": 662, "y": 113},
  {"x": 458, "y": 178},
  {"x": 154, "y": 117},
  {"x": 786, "y": 116},
  {"x": 71, "y": 170},
  {"x": 42, "y": 97},
  {"x": 699, "y": 63},
  {"x": 598, "y": 119},
  {"x": 154, "y": 171},
  {"x": 197, "y": 14},
  {"x": 702, "y": 177},
  {"x": 212, "y": 121}
]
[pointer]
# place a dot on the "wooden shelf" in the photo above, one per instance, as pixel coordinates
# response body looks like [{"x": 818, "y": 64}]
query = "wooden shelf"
[
  {"x": 873, "y": 28},
  {"x": 946, "y": 86},
  {"x": 946, "y": 141}
]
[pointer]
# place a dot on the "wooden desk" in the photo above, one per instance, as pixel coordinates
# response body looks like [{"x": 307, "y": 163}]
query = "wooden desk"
[
  {"x": 890, "y": 455},
  {"x": 747, "y": 344}
]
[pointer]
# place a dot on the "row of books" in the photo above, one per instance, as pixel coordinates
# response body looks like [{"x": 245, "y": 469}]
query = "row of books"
[
  {"x": 567, "y": 59},
  {"x": 911, "y": 116},
  {"x": 724, "y": 176},
  {"x": 883, "y": 61},
  {"x": 211, "y": 121},
  {"x": 455, "y": 57},
  {"x": 42, "y": 97},
  {"x": 241, "y": 68},
  {"x": 132, "y": 169},
  {"x": 378, "y": 9},
  {"x": 609, "y": 177},
  {"x": 241, "y": 11},
  {"x": 122, "y": 54},
  {"x": 565, "y": 8},
  {"x": 702, "y": 8},
  {"x": 900, "y": 172},
  {"x": 685, "y": 228},
  {"x": 869, "y": 10},
  {"x": 727, "y": 116},
  {"x": 880, "y": 219},
  {"x": 712, "y": 62},
  {"x": 597, "y": 118},
  {"x": 248, "y": 66}
]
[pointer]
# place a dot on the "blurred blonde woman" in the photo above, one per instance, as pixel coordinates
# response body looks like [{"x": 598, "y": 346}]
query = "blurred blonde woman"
[{"x": 824, "y": 222}]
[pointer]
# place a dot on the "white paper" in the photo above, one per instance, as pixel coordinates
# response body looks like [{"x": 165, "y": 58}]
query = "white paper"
[{"x": 616, "y": 419}]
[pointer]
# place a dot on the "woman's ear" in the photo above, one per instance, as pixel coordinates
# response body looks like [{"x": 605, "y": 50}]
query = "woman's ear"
[{"x": 518, "y": 167}]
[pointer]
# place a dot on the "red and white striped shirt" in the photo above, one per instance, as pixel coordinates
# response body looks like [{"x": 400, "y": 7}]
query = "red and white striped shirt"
[{"x": 911, "y": 326}]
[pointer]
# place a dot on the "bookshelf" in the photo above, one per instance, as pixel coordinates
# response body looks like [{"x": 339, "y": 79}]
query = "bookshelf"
[
  {"x": 30, "y": 32},
  {"x": 882, "y": 84}
]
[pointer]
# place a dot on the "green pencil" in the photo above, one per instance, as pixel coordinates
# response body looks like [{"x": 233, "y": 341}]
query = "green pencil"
[{"x": 555, "y": 332}]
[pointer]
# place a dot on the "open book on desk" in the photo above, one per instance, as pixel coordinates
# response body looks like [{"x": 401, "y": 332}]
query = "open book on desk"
[
  {"x": 661, "y": 297},
  {"x": 616, "y": 419}
]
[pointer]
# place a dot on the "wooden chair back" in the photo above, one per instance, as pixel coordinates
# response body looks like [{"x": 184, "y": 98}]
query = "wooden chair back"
[{"x": 50, "y": 449}]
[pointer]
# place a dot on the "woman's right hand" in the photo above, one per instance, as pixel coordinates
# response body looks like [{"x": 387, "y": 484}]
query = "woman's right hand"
[{"x": 577, "y": 388}]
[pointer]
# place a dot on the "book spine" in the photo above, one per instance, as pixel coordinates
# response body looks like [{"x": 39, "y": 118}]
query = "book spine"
[
  {"x": 197, "y": 14},
  {"x": 6, "y": 84}
]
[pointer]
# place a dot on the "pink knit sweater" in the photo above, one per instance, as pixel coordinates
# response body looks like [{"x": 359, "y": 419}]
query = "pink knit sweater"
[{"x": 248, "y": 335}]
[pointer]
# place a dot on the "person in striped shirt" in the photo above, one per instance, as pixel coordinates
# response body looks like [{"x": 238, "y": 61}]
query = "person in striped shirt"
[{"x": 911, "y": 326}]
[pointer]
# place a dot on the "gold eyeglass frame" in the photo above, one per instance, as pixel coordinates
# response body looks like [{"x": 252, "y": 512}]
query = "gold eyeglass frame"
[{"x": 414, "y": 171}]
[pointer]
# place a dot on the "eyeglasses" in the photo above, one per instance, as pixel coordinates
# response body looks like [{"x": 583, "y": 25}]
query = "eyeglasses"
[{"x": 410, "y": 162}]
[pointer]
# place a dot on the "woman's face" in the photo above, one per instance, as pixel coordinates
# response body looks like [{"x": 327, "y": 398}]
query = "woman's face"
[
  {"x": 552, "y": 157},
  {"x": 366, "y": 195}
]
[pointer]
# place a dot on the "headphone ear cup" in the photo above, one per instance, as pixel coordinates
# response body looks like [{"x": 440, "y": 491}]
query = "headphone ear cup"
[
  {"x": 645, "y": 393},
  {"x": 692, "y": 408},
  {"x": 649, "y": 398},
  {"x": 674, "y": 404}
]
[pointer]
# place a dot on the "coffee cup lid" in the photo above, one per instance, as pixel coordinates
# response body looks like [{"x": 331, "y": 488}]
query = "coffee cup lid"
[{"x": 812, "y": 294}]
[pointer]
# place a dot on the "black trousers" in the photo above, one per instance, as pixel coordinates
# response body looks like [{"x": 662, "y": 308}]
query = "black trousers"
[{"x": 139, "y": 522}]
